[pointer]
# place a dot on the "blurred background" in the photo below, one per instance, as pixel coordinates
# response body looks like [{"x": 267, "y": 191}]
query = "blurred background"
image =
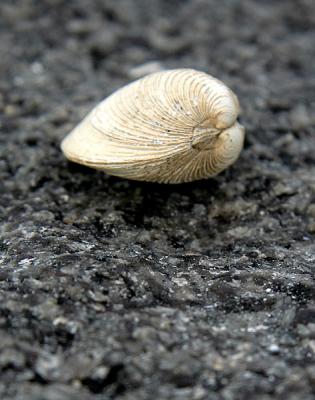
[{"x": 61, "y": 57}]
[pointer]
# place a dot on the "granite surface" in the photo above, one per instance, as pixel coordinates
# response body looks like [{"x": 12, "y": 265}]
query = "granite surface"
[{"x": 112, "y": 289}]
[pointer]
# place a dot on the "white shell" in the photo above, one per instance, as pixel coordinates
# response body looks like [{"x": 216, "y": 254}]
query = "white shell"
[{"x": 171, "y": 126}]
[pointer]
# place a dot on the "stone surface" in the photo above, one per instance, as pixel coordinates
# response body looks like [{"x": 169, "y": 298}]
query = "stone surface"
[{"x": 118, "y": 289}]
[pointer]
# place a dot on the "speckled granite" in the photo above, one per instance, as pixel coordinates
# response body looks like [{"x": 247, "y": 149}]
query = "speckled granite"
[{"x": 111, "y": 289}]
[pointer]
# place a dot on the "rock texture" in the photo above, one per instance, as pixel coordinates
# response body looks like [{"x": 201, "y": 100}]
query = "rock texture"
[{"x": 111, "y": 289}]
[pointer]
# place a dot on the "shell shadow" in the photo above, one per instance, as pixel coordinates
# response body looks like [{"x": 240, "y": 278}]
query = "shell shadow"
[{"x": 138, "y": 201}]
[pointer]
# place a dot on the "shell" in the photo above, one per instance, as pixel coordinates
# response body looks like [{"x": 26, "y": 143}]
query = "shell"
[{"x": 169, "y": 127}]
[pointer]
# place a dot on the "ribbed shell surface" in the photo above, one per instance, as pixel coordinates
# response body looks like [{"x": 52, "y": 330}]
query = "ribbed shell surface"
[{"x": 171, "y": 126}]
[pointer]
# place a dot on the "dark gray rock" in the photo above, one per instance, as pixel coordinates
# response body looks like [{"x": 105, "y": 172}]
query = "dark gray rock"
[{"x": 126, "y": 290}]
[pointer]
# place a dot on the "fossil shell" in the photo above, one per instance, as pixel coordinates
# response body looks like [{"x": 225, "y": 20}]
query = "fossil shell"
[{"x": 171, "y": 126}]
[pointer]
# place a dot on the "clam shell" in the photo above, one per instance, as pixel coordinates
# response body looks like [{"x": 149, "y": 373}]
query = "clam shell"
[{"x": 170, "y": 127}]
